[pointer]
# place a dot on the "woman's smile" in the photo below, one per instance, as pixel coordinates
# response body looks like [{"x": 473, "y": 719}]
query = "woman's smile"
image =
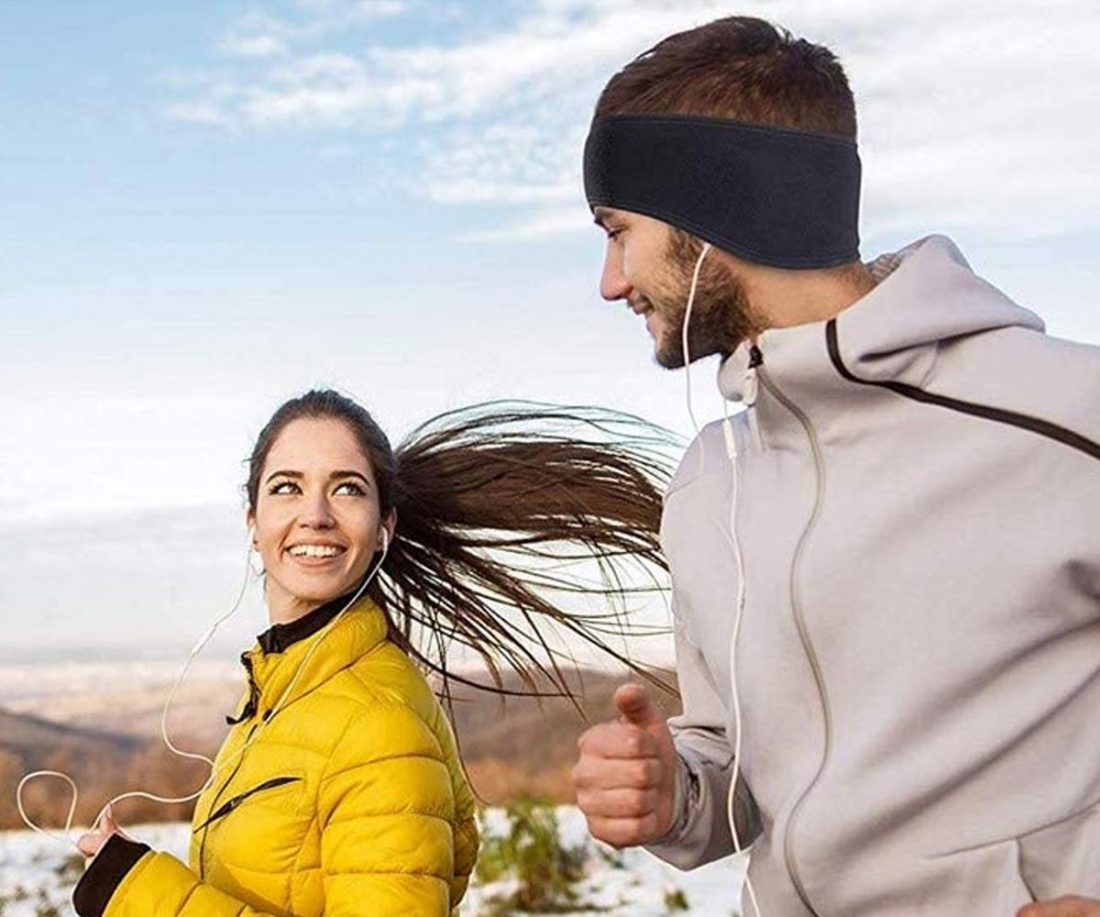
[{"x": 316, "y": 554}]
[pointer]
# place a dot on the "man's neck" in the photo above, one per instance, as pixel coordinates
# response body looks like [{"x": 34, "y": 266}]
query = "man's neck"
[{"x": 782, "y": 298}]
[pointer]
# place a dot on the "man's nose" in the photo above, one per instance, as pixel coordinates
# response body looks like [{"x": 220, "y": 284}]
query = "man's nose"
[{"x": 613, "y": 283}]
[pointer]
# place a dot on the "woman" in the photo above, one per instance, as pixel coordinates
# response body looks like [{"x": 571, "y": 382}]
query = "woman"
[{"x": 339, "y": 790}]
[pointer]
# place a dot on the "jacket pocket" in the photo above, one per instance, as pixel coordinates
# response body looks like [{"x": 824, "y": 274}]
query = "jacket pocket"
[{"x": 230, "y": 804}]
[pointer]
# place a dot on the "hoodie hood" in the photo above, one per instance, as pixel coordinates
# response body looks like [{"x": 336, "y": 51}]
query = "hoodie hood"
[{"x": 891, "y": 334}]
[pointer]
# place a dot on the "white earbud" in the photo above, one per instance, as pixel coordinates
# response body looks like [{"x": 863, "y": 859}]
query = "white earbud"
[{"x": 385, "y": 540}]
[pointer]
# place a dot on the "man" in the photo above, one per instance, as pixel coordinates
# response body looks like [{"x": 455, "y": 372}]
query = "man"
[{"x": 886, "y": 570}]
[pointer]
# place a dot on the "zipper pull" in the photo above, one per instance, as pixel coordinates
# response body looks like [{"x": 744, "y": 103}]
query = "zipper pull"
[
  {"x": 252, "y": 705},
  {"x": 752, "y": 389}
]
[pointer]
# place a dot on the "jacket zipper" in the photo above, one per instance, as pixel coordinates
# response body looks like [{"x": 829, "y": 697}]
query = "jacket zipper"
[
  {"x": 231, "y": 804},
  {"x": 214, "y": 802},
  {"x": 803, "y": 632}
]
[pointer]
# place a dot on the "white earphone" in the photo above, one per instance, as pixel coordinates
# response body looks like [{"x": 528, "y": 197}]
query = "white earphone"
[{"x": 735, "y": 544}]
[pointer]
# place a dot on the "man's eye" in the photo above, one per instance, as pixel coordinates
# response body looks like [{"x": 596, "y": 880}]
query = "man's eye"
[
  {"x": 283, "y": 487},
  {"x": 613, "y": 234}
]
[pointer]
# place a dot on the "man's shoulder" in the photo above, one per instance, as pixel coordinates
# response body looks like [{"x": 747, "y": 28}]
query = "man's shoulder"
[{"x": 1027, "y": 372}]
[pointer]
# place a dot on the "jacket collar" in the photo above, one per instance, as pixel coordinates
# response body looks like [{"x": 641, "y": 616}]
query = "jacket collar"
[
  {"x": 280, "y": 637},
  {"x": 290, "y": 660}
]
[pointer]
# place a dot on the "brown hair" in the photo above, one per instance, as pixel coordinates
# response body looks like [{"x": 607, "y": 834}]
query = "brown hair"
[
  {"x": 492, "y": 501},
  {"x": 740, "y": 68}
]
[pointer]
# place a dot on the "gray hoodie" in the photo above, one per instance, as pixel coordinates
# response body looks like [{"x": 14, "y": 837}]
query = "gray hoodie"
[{"x": 918, "y": 661}]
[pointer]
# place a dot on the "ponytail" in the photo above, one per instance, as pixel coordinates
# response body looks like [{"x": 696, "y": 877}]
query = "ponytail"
[{"x": 495, "y": 503}]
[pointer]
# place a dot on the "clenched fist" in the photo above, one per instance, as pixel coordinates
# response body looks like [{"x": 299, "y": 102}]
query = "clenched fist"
[{"x": 625, "y": 778}]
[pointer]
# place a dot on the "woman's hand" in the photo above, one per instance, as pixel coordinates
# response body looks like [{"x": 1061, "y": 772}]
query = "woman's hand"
[{"x": 91, "y": 843}]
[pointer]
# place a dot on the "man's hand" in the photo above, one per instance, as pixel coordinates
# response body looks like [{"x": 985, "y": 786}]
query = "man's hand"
[
  {"x": 1069, "y": 906},
  {"x": 625, "y": 778}
]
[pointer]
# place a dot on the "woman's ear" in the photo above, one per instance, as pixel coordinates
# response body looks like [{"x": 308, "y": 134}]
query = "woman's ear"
[
  {"x": 250, "y": 521},
  {"x": 387, "y": 530}
]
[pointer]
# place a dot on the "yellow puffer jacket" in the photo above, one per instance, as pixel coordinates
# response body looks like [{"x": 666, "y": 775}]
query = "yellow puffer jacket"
[{"x": 349, "y": 800}]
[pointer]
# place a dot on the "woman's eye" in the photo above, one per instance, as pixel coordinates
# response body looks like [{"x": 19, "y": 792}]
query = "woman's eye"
[
  {"x": 283, "y": 487},
  {"x": 350, "y": 489}
]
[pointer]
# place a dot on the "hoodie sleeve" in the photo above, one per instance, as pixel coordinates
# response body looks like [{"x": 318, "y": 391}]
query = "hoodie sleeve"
[
  {"x": 127, "y": 879},
  {"x": 700, "y": 831}
]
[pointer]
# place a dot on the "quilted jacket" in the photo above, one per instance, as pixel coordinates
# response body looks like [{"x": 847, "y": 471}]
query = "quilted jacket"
[{"x": 338, "y": 791}]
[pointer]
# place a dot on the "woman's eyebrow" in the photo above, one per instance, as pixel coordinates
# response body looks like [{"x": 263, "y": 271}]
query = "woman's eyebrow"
[
  {"x": 284, "y": 474},
  {"x": 336, "y": 475}
]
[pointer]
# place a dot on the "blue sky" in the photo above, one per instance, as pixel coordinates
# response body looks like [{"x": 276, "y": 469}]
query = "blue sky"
[{"x": 209, "y": 206}]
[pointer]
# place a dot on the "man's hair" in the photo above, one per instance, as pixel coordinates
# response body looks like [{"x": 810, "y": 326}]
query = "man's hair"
[{"x": 740, "y": 68}]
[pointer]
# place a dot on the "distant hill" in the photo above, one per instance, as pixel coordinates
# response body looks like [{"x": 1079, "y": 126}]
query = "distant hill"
[
  {"x": 37, "y": 742},
  {"x": 29, "y": 743},
  {"x": 102, "y": 764},
  {"x": 526, "y": 745},
  {"x": 196, "y": 720}
]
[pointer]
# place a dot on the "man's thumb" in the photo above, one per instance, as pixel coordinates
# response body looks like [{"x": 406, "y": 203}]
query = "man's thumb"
[{"x": 636, "y": 707}]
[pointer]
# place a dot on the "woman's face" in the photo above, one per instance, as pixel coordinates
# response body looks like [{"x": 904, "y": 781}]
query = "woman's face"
[{"x": 317, "y": 516}]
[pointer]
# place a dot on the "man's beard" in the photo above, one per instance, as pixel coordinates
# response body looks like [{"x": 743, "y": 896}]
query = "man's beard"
[{"x": 721, "y": 317}]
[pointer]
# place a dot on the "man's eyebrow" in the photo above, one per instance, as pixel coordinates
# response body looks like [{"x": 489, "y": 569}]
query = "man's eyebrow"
[{"x": 599, "y": 216}]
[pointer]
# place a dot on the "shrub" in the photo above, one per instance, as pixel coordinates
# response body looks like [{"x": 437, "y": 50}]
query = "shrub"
[
  {"x": 531, "y": 852},
  {"x": 676, "y": 900}
]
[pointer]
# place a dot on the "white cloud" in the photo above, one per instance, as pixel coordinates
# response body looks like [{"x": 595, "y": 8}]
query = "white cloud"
[
  {"x": 259, "y": 45},
  {"x": 258, "y": 34},
  {"x": 972, "y": 115}
]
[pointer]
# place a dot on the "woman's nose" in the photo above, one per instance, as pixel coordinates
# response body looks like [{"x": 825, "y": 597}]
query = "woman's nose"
[{"x": 317, "y": 513}]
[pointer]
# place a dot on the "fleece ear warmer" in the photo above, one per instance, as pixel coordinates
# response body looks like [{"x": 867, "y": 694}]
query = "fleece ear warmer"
[{"x": 772, "y": 195}]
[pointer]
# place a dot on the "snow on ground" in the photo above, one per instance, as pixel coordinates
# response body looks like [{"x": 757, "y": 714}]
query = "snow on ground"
[{"x": 35, "y": 883}]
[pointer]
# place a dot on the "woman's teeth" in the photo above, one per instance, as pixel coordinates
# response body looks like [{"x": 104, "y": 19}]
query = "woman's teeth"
[{"x": 315, "y": 550}]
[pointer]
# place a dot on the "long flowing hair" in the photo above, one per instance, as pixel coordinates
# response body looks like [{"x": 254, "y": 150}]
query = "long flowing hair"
[{"x": 518, "y": 524}]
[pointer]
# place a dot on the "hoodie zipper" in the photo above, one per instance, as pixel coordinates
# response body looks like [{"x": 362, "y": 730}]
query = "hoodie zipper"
[
  {"x": 752, "y": 387},
  {"x": 800, "y": 623}
]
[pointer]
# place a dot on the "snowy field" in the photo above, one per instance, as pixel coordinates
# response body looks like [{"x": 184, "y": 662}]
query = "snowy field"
[{"x": 34, "y": 880}]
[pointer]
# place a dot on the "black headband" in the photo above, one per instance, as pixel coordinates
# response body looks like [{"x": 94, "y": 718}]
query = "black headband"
[{"x": 773, "y": 195}]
